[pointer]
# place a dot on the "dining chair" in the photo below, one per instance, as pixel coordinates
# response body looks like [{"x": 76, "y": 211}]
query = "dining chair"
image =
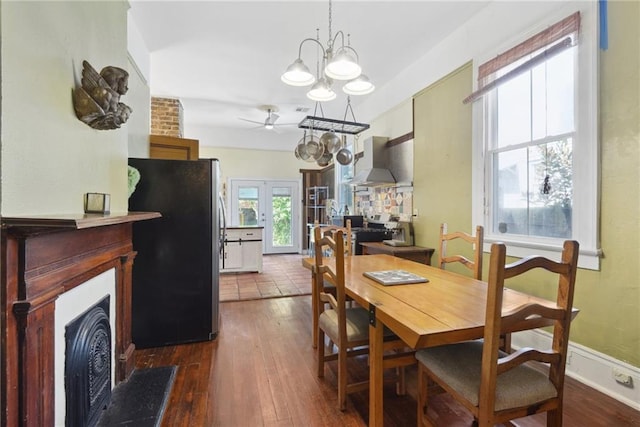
[
  {"x": 329, "y": 230},
  {"x": 347, "y": 327},
  {"x": 496, "y": 387},
  {"x": 476, "y": 265}
]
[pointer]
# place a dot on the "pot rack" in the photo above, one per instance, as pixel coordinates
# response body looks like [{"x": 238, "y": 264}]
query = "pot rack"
[
  {"x": 338, "y": 126},
  {"x": 316, "y": 123}
]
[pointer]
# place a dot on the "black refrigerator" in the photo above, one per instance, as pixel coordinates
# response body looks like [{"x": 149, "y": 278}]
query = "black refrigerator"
[{"x": 175, "y": 289}]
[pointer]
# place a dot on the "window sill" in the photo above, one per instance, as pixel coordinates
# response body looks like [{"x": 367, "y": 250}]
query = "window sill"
[{"x": 588, "y": 259}]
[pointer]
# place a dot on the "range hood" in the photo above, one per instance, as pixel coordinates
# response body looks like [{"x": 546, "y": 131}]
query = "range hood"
[{"x": 371, "y": 169}]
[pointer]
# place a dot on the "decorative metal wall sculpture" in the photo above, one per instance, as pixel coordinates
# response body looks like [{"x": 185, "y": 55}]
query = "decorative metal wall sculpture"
[{"x": 97, "y": 102}]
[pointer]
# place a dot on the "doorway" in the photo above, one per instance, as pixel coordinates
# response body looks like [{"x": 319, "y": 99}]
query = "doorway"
[{"x": 272, "y": 204}]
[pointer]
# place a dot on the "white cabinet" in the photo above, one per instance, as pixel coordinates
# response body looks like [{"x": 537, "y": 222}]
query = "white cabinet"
[
  {"x": 242, "y": 250},
  {"x": 232, "y": 254},
  {"x": 252, "y": 256}
]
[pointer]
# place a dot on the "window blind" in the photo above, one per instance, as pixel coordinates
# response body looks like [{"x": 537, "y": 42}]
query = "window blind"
[{"x": 486, "y": 81}]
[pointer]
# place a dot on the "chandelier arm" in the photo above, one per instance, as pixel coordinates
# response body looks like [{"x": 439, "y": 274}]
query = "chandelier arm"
[
  {"x": 352, "y": 50},
  {"x": 324, "y": 53},
  {"x": 339, "y": 33},
  {"x": 342, "y": 45}
]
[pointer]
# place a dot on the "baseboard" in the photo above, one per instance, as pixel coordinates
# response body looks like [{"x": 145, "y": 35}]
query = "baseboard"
[{"x": 590, "y": 367}]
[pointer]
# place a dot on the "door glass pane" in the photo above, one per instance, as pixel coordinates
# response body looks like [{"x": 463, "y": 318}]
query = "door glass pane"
[
  {"x": 248, "y": 205},
  {"x": 282, "y": 218}
]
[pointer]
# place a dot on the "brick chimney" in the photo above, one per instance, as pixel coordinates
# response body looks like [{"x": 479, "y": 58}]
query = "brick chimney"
[{"x": 166, "y": 117}]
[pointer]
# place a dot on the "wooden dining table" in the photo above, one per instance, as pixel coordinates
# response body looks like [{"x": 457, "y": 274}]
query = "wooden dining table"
[{"x": 449, "y": 308}]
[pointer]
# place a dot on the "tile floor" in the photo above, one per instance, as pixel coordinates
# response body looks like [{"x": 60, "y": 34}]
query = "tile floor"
[{"x": 282, "y": 275}]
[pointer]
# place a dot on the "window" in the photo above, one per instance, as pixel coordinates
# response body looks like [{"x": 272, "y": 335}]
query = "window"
[
  {"x": 535, "y": 142},
  {"x": 531, "y": 129}
]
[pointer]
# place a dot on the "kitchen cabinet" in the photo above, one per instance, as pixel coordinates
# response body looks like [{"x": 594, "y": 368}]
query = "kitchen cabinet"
[
  {"x": 242, "y": 250},
  {"x": 232, "y": 254},
  {"x": 172, "y": 148}
]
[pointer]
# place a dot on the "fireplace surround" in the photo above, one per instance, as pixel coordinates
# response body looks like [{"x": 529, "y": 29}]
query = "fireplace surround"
[{"x": 42, "y": 258}]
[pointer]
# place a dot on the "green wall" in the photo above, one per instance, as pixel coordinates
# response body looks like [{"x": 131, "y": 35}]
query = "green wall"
[
  {"x": 442, "y": 162},
  {"x": 609, "y": 299}
]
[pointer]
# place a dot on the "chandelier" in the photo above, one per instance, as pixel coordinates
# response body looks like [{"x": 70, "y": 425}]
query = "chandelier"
[{"x": 339, "y": 62}]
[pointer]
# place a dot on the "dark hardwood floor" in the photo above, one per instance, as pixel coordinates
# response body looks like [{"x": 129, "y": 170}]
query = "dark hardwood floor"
[{"x": 260, "y": 371}]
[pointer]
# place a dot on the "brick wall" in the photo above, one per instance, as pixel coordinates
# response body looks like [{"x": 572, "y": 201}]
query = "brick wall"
[{"x": 166, "y": 117}]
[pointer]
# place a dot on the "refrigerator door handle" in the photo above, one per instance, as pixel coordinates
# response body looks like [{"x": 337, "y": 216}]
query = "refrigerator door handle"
[{"x": 223, "y": 235}]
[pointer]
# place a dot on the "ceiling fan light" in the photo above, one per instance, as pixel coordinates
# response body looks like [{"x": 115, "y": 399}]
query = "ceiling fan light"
[
  {"x": 343, "y": 66},
  {"x": 298, "y": 74},
  {"x": 361, "y": 85},
  {"x": 321, "y": 91},
  {"x": 268, "y": 125}
]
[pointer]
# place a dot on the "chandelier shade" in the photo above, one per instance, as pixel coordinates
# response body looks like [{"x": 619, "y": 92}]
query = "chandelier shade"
[
  {"x": 321, "y": 91},
  {"x": 343, "y": 66},
  {"x": 298, "y": 74},
  {"x": 361, "y": 85}
]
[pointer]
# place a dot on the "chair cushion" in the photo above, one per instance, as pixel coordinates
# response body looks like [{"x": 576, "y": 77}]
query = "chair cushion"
[
  {"x": 328, "y": 286},
  {"x": 459, "y": 366},
  {"x": 357, "y": 324}
]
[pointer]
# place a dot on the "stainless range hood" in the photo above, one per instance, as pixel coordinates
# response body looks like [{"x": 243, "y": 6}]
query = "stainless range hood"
[{"x": 371, "y": 169}]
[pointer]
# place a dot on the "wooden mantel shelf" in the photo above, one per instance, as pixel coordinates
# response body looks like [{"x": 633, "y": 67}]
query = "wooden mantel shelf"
[{"x": 78, "y": 222}]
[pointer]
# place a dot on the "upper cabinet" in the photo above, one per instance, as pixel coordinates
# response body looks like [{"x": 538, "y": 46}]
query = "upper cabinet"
[{"x": 172, "y": 148}]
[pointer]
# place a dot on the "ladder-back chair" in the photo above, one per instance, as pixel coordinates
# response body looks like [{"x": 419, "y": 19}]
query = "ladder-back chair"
[
  {"x": 496, "y": 387},
  {"x": 474, "y": 265},
  {"x": 347, "y": 327},
  {"x": 328, "y": 230}
]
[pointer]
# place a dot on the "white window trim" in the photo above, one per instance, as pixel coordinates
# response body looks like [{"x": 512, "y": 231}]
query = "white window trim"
[{"x": 586, "y": 159}]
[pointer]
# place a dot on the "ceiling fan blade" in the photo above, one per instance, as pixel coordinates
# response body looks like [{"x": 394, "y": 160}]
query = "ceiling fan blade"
[{"x": 251, "y": 121}]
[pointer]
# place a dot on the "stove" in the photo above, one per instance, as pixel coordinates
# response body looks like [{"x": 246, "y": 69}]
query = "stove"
[{"x": 373, "y": 233}]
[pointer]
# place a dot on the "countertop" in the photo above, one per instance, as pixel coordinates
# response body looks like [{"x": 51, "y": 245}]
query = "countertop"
[{"x": 413, "y": 253}]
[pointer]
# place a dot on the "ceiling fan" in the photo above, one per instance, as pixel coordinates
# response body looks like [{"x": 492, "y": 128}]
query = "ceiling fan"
[{"x": 270, "y": 121}]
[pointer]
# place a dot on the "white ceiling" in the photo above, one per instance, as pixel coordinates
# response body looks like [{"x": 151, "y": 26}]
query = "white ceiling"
[{"x": 223, "y": 59}]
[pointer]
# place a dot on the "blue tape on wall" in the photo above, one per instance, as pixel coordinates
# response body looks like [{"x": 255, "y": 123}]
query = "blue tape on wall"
[{"x": 604, "y": 31}]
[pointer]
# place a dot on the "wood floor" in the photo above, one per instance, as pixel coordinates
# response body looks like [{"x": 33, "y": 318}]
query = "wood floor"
[{"x": 260, "y": 371}]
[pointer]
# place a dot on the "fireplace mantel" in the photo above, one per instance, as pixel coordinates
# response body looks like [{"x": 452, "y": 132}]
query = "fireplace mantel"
[{"x": 44, "y": 256}]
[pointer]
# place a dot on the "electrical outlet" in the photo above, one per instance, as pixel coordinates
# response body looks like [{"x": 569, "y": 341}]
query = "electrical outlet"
[{"x": 622, "y": 377}]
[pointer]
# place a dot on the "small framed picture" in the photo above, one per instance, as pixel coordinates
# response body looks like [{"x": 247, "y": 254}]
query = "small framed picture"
[{"x": 97, "y": 203}]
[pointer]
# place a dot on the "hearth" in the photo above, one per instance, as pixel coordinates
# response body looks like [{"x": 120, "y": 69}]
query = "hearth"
[{"x": 88, "y": 365}]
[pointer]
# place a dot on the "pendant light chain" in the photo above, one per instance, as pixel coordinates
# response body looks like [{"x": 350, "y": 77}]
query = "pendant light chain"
[
  {"x": 330, "y": 42},
  {"x": 318, "y": 52}
]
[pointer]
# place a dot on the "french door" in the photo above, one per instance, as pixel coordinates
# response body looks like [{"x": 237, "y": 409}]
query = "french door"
[{"x": 271, "y": 204}]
